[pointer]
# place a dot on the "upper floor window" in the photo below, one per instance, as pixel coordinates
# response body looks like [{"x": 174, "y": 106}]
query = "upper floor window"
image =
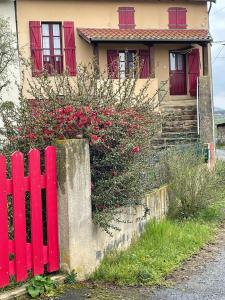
[
  {"x": 177, "y": 18},
  {"x": 126, "y": 18},
  {"x": 52, "y": 47}
]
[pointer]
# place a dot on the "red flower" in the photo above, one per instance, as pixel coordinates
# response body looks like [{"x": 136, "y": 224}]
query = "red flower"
[
  {"x": 108, "y": 123},
  {"x": 94, "y": 137},
  {"x": 87, "y": 109},
  {"x": 78, "y": 114},
  {"x": 136, "y": 149}
]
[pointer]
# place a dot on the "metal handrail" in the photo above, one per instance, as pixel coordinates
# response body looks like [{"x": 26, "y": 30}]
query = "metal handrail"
[{"x": 198, "y": 111}]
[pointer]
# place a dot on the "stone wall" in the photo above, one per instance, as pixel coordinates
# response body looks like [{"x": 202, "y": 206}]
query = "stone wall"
[{"x": 83, "y": 244}]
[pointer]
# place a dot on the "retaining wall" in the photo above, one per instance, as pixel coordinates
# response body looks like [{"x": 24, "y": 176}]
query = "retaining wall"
[{"x": 83, "y": 244}]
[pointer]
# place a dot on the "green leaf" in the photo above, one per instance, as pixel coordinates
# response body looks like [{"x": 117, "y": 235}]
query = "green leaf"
[{"x": 33, "y": 292}]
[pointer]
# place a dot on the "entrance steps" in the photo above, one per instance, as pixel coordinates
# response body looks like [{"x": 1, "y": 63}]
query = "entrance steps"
[{"x": 179, "y": 125}]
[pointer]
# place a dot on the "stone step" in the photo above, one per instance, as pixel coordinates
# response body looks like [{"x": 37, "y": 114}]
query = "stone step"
[
  {"x": 179, "y": 134},
  {"x": 179, "y": 102},
  {"x": 173, "y": 141},
  {"x": 168, "y": 129},
  {"x": 180, "y": 117},
  {"x": 179, "y": 123},
  {"x": 179, "y": 109}
]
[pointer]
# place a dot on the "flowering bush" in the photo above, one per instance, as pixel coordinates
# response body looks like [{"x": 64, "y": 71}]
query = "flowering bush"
[{"x": 119, "y": 124}]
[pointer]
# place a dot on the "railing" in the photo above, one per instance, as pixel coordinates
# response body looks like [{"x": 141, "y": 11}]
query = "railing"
[{"x": 198, "y": 109}]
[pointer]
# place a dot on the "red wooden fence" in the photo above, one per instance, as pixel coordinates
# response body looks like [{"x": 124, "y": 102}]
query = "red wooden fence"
[{"x": 18, "y": 256}]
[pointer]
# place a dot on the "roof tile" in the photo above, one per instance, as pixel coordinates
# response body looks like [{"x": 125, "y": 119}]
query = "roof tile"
[{"x": 107, "y": 34}]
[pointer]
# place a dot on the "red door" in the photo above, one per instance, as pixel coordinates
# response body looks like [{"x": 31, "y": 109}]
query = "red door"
[{"x": 178, "y": 76}]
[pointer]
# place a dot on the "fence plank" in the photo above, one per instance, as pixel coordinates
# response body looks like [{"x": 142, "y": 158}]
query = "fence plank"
[
  {"x": 19, "y": 215},
  {"x": 36, "y": 212},
  {"x": 4, "y": 245},
  {"x": 51, "y": 207}
]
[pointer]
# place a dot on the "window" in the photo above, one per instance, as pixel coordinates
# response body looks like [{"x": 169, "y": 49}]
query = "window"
[
  {"x": 46, "y": 42},
  {"x": 176, "y": 61},
  {"x": 127, "y": 64},
  {"x": 126, "y": 18},
  {"x": 52, "y": 48},
  {"x": 123, "y": 64},
  {"x": 177, "y": 18}
]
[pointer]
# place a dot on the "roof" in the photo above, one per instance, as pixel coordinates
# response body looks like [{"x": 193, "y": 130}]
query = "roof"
[
  {"x": 221, "y": 125},
  {"x": 145, "y": 35}
]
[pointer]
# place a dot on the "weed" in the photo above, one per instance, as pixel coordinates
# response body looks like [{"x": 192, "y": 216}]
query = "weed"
[
  {"x": 71, "y": 278},
  {"x": 40, "y": 285}
]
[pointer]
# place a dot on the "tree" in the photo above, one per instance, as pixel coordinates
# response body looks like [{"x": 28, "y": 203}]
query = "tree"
[{"x": 8, "y": 53}]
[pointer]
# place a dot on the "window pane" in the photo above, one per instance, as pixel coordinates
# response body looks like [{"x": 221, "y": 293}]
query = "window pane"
[
  {"x": 180, "y": 62},
  {"x": 56, "y": 30},
  {"x": 45, "y": 29},
  {"x": 172, "y": 61},
  {"x": 122, "y": 65},
  {"x": 57, "y": 52},
  {"x": 56, "y": 42},
  {"x": 46, "y": 52},
  {"x": 46, "y": 43},
  {"x": 122, "y": 75},
  {"x": 46, "y": 59}
]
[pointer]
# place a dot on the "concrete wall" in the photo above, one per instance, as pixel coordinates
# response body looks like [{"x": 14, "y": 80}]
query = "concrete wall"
[
  {"x": 7, "y": 11},
  {"x": 206, "y": 110},
  {"x": 83, "y": 244}
]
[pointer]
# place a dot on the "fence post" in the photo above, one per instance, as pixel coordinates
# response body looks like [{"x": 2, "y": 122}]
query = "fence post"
[{"x": 74, "y": 203}]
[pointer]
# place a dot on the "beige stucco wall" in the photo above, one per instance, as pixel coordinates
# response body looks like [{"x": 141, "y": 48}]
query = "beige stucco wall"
[
  {"x": 151, "y": 14},
  {"x": 101, "y": 14}
]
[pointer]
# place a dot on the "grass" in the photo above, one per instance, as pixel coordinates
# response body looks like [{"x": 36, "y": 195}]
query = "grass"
[{"x": 160, "y": 250}]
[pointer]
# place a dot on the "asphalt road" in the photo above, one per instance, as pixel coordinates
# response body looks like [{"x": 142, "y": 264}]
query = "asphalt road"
[{"x": 208, "y": 285}]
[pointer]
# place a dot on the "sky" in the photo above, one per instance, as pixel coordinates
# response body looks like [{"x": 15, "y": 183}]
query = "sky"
[{"x": 217, "y": 29}]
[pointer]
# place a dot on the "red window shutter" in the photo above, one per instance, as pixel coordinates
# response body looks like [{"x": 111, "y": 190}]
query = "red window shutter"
[
  {"x": 112, "y": 60},
  {"x": 36, "y": 47},
  {"x": 172, "y": 17},
  {"x": 194, "y": 70},
  {"x": 126, "y": 18},
  {"x": 181, "y": 18},
  {"x": 70, "y": 49},
  {"x": 177, "y": 18},
  {"x": 144, "y": 62}
]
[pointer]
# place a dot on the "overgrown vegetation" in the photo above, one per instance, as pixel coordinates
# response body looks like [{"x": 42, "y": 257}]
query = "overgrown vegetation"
[
  {"x": 119, "y": 121},
  {"x": 192, "y": 185},
  {"x": 161, "y": 249}
]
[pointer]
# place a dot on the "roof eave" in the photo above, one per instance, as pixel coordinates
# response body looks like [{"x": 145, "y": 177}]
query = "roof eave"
[{"x": 96, "y": 40}]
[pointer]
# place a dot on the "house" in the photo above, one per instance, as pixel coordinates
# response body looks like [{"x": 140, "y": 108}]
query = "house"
[
  {"x": 221, "y": 133},
  {"x": 8, "y": 12},
  {"x": 170, "y": 37}
]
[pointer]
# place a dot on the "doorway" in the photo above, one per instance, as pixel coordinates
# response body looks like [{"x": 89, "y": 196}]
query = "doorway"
[{"x": 178, "y": 74}]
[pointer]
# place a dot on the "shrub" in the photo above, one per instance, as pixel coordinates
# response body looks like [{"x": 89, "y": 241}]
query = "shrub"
[
  {"x": 192, "y": 185},
  {"x": 119, "y": 123}
]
